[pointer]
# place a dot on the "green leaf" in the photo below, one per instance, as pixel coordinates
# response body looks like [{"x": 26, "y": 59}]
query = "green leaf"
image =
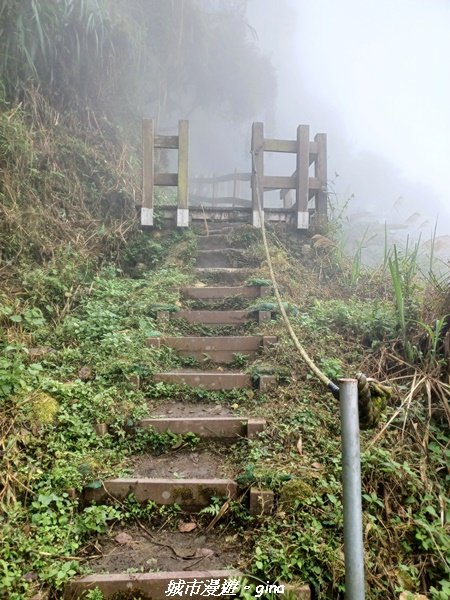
[
  {"x": 430, "y": 510},
  {"x": 95, "y": 485}
]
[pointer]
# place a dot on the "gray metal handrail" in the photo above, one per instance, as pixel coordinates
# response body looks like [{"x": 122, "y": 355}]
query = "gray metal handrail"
[{"x": 351, "y": 479}]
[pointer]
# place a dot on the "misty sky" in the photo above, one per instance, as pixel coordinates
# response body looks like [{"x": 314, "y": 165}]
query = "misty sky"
[{"x": 374, "y": 75}]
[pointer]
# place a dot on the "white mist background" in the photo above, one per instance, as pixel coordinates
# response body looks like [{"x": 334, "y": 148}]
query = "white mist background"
[{"x": 374, "y": 75}]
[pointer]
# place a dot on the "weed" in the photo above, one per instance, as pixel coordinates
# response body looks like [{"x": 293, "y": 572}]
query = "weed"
[
  {"x": 239, "y": 360},
  {"x": 94, "y": 594},
  {"x": 370, "y": 321},
  {"x": 332, "y": 367},
  {"x": 147, "y": 440}
]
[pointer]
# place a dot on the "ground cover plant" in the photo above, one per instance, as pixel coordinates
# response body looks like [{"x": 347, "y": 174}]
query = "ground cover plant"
[
  {"x": 62, "y": 373},
  {"x": 81, "y": 287},
  {"x": 347, "y": 329}
]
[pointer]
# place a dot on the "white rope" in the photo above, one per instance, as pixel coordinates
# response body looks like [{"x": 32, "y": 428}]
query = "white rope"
[{"x": 307, "y": 359}]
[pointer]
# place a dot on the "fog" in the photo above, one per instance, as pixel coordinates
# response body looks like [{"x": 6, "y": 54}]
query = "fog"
[{"x": 374, "y": 76}]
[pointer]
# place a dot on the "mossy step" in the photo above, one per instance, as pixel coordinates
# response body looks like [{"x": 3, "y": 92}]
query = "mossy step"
[
  {"x": 214, "y": 379},
  {"x": 207, "y": 427},
  {"x": 224, "y": 270},
  {"x": 223, "y": 226},
  {"x": 222, "y": 292},
  {"x": 215, "y": 241},
  {"x": 220, "y": 349},
  {"x": 223, "y": 275},
  {"x": 216, "y": 317},
  {"x": 207, "y": 380},
  {"x": 190, "y": 583},
  {"x": 219, "y": 257},
  {"x": 190, "y": 494},
  {"x": 148, "y": 585}
]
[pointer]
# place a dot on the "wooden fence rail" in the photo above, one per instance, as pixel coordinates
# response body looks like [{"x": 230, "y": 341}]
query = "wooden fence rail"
[
  {"x": 303, "y": 193},
  {"x": 306, "y": 187},
  {"x": 221, "y": 190}
]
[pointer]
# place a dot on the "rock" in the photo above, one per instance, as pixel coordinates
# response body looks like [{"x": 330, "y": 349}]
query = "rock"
[
  {"x": 294, "y": 491},
  {"x": 41, "y": 595},
  {"x": 135, "y": 381},
  {"x": 39, "y": 352},
  {"x": 85, "y": 373},
  {"x": 204, "y": 552},
  {"x": 72, "y": 493},
  {"x": 296, "y": 591},
  {"x": 123, "y": 538},
  {"x": 186, "y": 527},
  {"x": 101, "y": 429}
]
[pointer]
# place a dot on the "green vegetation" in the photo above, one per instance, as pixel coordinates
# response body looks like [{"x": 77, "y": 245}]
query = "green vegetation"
[
  {"x": 118, "y": 57},
  {"x": 54, "y": 395},
  {"x": 81, "y": 287},
  {"x": 65, "y": 369}
]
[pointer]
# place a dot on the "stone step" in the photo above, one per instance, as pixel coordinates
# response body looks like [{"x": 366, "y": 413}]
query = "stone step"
[
  {"x": 220, "y": 293},
  {"x": 212, "y": 242},
  {"x": 221, "y": 349},
  {"x": 222, "y": 227},
  {"x": 214, "y": 380},
  {"x": 224, "y": 275},
  {"x": 219, "y": 258},
  {"x": 217, "y": 317},
  {"x": 224, "y": 270},
  {"x": 207, "y": 380},
  {"x": 190, "y": 494},
  {"x": 192, "y": 584},
  {"x": 147, "y": 585},
  {"x": 208, "y": 427}
]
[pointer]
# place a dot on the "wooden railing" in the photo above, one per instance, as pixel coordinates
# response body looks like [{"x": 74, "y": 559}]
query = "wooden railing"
[
  {"x": 306, "y": 188},
  {"x": 151, "y": 143},
  {"x": 222, "y": 190},
  {"x": 302, "y": 193}
]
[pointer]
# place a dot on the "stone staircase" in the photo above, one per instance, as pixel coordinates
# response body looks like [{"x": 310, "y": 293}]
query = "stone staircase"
[{"x": 193, "y": 494}]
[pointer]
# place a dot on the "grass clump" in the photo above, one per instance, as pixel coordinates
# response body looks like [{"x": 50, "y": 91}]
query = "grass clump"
[{"x": 65, "y": 368}]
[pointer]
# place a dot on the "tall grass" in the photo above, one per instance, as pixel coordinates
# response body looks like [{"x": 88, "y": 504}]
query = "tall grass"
[
  {"x": 52, "y": 44},
  {"x": 397, "y": 283},
  {"x": 134, "y": 57},
  {"x": 403, "y": 270}
]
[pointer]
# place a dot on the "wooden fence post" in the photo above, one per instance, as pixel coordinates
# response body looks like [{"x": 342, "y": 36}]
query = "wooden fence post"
[
  {"x": 302, "y": 184},
  {"x": 257, "y": 173},
  {"x": 183, "y": 182},
  {"x": 320, "y": 173},
  {"x": 215, "y": 186},
  {"x": 148, "y": 172},
  {"x": 235, "y": 187}
]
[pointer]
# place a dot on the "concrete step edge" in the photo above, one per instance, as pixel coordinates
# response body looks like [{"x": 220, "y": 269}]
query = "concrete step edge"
[
  {"x": 238, "y": 343},
  {"x": 219, "y": 251},
  {"x": 212, "y": 380},
  {"x": 223, "y": 292},
  {"x": 153, "y": 585},
  {"x": 215, "y": 317},
  {"x": 215, "y": 380},
  {"x": 192, "y": 494},
  {"x": 243, "y": 270},
  {"x": 208, "y": 427}
]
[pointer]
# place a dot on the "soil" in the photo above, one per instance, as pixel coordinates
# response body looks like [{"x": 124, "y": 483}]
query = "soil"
[
  {"x": 138, "y": 552},
  {"x": 181, "y": 409},
  {"x": 182, "y": 464}
]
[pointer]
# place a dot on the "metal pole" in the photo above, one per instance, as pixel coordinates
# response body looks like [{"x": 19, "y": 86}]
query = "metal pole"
[{"x": 351, "y": 475}]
